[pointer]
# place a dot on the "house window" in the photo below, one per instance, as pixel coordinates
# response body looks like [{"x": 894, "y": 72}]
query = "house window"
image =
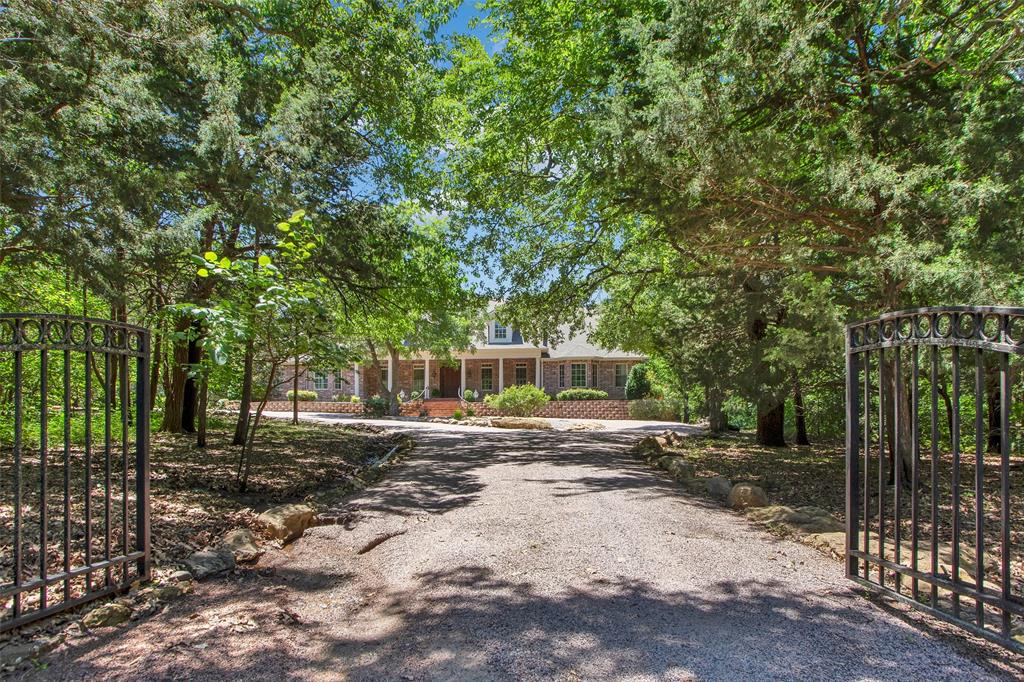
[
  {"x": 561, "y": 376},
  {"x": 500, "y": 332},
  {"x": 486, "y": 378},
  {"x": 418, "y": 379},
  {"x": 578, "y": 374},
  {"x": 320, "y": 381},
  {"x": 384, "y": 375},
  {"x": 520, "y": 373},
  {"x": 621, "y": 373},
  {"x": 339, "y": 383}
]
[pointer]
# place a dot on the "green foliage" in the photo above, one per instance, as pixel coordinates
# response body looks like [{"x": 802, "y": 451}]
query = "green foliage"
[
  {"x": 518, "y": 401},
  {"x": 375, "y": 406},
  {"x": 650, "y": 409},
  {"x": 638, "y": 383},
  {"x": 457, "y": 414},
  {"x": 582, "y": 394},
  {"x": 469, "y": 395},
  {"x": 470, "y": 412},
  {"x": 303, "y": 395},
  {"x": 355, "y": 400}
]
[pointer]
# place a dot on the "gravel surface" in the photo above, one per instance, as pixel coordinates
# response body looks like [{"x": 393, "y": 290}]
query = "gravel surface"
[{"x": 525, "y": 556}]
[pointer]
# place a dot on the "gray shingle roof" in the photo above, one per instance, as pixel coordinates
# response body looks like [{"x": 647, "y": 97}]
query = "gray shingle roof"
[{"x": 580, "y": 346}]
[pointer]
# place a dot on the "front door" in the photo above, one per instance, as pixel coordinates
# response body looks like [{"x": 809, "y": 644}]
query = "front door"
[{"x": 451, "y": 379}]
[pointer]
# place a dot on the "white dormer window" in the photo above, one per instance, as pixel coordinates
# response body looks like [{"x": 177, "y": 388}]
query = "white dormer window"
[{"x": 500, "y": 332}]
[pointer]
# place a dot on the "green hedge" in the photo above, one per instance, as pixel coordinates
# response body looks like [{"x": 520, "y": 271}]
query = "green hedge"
[
  {"x": 654, "y": 410},
  {"x": 518, "y": 401},
  {"x": 303, "y": 395},
  {"x": 582, "y": 394}
]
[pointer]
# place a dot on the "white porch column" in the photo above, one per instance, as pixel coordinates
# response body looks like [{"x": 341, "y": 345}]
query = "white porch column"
[
  {"x": 501, "y": 375},
  {"x": 426, "y": 376},
  {"x": 538, "y": 379},
  {"x": 355, "y": 377},
  {"x": 462, "y": 378},
  {"x": 391, "y": 376}
]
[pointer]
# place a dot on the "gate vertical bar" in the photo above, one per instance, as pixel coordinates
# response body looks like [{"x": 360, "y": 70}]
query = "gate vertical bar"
[
  {"x": 934, "y": 494},
  {"x": 142, "y": 426},
  {"x": 955, "y": 443},
  {"x": 881, "y": 463},
  {"x": 867, "y": 457},
  {"x": 897, "y": 464},
  {"x": 67, "y": 463},
  {"x": 1004, "y": 484},
  {"x": 852, "y": 455},
  {"x": 88, "y": 460},
  {"x": 43, "y": 442},
  {"x": 123, "y": 366},
  {"x": 915, "y": 429},
  {"x": 17, "y": 467},
  {"x": 979, "y": 481}
]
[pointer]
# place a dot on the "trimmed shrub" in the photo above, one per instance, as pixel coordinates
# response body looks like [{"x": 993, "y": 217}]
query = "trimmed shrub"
[
  {"x": 303, "y": 395},
  {"x": 654, "y": 410},
  {"x": 457, "y": 414},
  {"x": 469, "y": 395},
  {"x": 470, "y": 412},
  {"x": 355, "y": 399},
  {"x": 375, "y": 407},
  {"x": 582, "y": 394},
  {"x": 638, "y": 383},
  {"x": 518, "y": 401}
]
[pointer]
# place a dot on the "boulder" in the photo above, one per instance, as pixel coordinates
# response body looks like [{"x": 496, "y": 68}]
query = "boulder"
[
  {"x": 210, "y": 562},
  {"x": 800, "y": 520},
  {"x": 179, "y": 576},
  {"x": 241, "y": 542},
  {"x": 107, "y": 615},
  {"x": 833, "y": 544},
  {"x": 520, "y": 423},
  {"x": 718, "y": 487},
  {"x": 746, "y": 495},
  {"x": 650, "y": 447},
  {"x": 286, "y": 522},
  {"x": 676, "y": 466}
]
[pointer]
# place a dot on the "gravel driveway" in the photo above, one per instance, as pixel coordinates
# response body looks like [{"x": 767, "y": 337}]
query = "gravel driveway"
[{"x": 526, "y": 555}]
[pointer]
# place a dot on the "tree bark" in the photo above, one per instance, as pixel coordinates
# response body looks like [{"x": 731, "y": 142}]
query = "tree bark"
[
  {"x": 154, "y": 369},
  {"x": 190, "y": 394},
  {"x": 204, "y": 392},
  {"x": 295, "y": 391},
  {"x": 242, "y": 425},
  {"x": 800, "y": 414},
  {"x": 716, "y": 416},
  {"x": 994, "y": 440},
  {"x": 175, "y": 391},
  {"x": 771, "y": 422}
]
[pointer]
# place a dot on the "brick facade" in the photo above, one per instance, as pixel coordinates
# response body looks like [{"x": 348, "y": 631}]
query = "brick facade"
[
  {"x": 600, "y": 374},
  {"x": 341, "y": 383}
]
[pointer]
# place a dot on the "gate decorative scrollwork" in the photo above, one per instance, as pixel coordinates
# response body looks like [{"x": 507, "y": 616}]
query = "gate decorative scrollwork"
[
  {"x": 929, "y": 521},
  {"x": 74, "y": 509}
]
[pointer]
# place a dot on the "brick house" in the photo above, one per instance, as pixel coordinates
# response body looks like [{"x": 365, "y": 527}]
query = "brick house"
[{"x": 500, "y": 357}]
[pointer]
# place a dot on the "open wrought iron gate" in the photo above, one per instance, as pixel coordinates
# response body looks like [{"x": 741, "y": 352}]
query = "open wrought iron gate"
[
  {"x": 74, "y": 462},
  {"x": 929, "y": 520}
]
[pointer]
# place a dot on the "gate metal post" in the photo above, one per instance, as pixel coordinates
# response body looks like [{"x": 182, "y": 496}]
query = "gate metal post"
[{"x": 852, "y": 452}]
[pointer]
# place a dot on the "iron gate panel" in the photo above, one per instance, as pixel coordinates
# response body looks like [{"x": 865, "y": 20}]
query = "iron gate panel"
[
  {"x": 84, "y": 532},
  {"x": 907, "y": 521}
]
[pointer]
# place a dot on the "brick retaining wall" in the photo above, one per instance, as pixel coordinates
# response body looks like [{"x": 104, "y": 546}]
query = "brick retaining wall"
[{"x": 555, "y": 409}]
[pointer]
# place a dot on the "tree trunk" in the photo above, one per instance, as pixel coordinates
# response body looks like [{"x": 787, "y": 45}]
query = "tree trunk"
[
  {"x": 245, "y": 461},
  {"x": 295, "y": 391},
  {"x": 204, "y": 394},
  {"x": 994, "y": 441},
  {"x": 393, "y": 407},
  {"x": 901, "y": 450},
  {"x": 175, "y": 391},
  {"x": 242, "y": 425},
  {"x": 771, "y": 422},
  {"x": 800, "y": 414},
  {"x": 948, "y": 402},
  {"x": 716, "y": 416},
  {"x": 190, "y": 395},
  {"x": 154, "y": 369},
  {"x": 686, "y": 408}
]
